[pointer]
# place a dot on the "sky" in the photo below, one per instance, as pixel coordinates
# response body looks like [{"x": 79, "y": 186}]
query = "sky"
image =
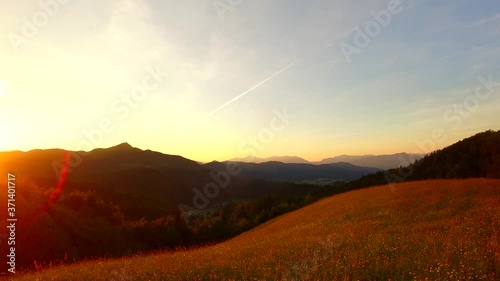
[{"x": 218, "y": 79}]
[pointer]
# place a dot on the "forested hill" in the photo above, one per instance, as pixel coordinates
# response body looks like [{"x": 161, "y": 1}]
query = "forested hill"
[{"x": 474, "y": 157}]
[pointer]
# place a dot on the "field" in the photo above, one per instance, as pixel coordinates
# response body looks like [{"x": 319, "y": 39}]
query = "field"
[{"x": 434, "y": 230}]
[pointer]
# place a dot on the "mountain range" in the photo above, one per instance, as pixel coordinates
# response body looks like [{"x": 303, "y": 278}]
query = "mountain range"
[
  {"x": 283, "y": 159},
  {"x": 383, "y": 162},
  {"x": 146, "y": 183},
  {"x": 293, "y": 172}
]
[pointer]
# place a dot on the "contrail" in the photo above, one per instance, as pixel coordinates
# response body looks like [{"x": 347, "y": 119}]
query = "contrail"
[
  {"x": 251, "y": 89},
  {"x": 188, "y": 128}
]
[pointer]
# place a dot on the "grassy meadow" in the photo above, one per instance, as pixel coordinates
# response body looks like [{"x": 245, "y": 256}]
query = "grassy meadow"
[{"x": 428, "y": 230}]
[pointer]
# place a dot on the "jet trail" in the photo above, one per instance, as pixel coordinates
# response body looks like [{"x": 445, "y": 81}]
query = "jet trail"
[{"x": 251, "y": 89}]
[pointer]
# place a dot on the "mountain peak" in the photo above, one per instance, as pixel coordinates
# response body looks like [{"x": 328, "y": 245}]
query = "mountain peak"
[{"x": 122, "y": 146}]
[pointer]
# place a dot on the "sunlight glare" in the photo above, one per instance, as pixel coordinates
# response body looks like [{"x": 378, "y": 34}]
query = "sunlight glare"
[
  {"x": 3, "y": 88},
  {"x": 5, "y": 135}
]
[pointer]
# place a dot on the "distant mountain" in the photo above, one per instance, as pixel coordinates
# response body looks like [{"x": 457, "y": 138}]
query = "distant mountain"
[
  {"x": 383, "y": 162},
  {"x": 140, "y": 181},
  {"x": 342, "y": 158},
  {"x": 278, "y": 171},
  {"x": 283, "y": 159}
]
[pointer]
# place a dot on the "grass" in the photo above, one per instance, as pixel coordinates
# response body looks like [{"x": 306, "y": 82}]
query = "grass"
[{"x": 429, "y": 230}]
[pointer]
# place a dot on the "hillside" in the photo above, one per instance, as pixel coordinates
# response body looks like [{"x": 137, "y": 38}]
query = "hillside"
[
  {"x": 437, "y": 229},
  {"x": 143, "y": 183},
  {"x": 474, "y": 157},
  {"x": 121, "y": 173}
]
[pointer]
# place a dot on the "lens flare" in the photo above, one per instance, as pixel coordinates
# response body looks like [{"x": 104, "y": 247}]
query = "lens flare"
[{"x": 57, "y": 191}]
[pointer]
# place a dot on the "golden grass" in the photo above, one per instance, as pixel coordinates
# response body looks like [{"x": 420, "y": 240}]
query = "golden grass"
[{"x": 429, "y": 230}]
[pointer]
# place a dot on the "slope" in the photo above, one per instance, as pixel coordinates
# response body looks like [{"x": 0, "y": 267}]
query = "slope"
[{"x": 437, "y": 229}]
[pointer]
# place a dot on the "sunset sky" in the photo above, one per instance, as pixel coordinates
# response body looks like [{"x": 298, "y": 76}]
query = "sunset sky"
[{"x": 205, "y": 79}]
